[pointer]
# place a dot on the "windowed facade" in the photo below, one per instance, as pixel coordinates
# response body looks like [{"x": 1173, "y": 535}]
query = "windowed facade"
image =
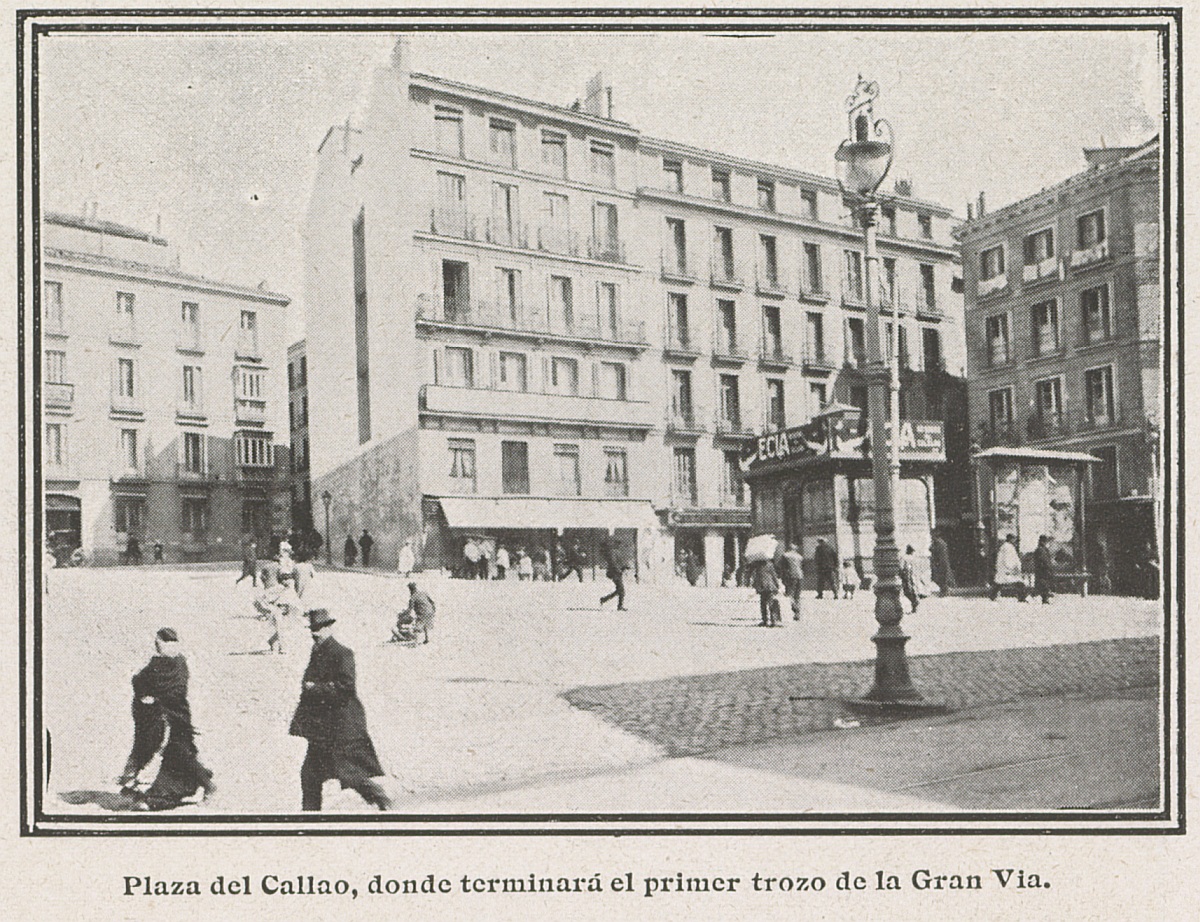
[
  {"x": 566, "y": 460},
  {"x": 126, "y": 379},
  {"x": 818, "y": 394},
  {"x": 1048, "y": 403},
  {"x": 128, "y": 451},
  {"x": 722, "y": 191},
  {"x": 129, "y": 514},
  {"x": 502, "y": 143},
  {"x": 56, "y": 366},
  {"x": 460, "y": 366},
  {"x": 193, "y": 453},
  {"x": 514, "y": 374},
  {"x": 854, "y": 276},
  {"x": 192, "y": 393},
  {"x": 677, "y": 262},
  {"x": 56, "y": 445},
  {"x": 125, "y": 302},
  {"x": 1000, "y": 410},
  {"x": 766, "y": 194},
  {"x": 1097, "y": 323},
  {"x": 1038, "y": 247},
  {"x": 456, "y": 291},
  {"x": 814, "y": 278},
  {"x": 772, "y": 332},
  {"x": 814, "y": 341},
  {"x": 1090, "y": 229},
  {"x": 730, "y": 404},
  {"x": 193, "y": 517},
  {"x": 564, "y": 376},
  {"x": 856, "y": 342},
  {"x": 673, "y": 175},
  {"x": 998, "y": 345},
  {"x": 733, "y": 487},
  {"x": 448, "y": 125},
  {"x": 248, "y": 334},
  {"x": 727, "y": 333},
  {"x": 931, "y": 347},
  {"x": 888, "y": 214},
  {"x": 506, "y": 220},
  {"x": 616, "y": 472},
  {"x": 1101, "y": 408},
  {"x": 508, "y": 289},
  {"x": 556, "y": 223},
  {"x": 52, "y": 296},
  {"x": 726, "y": 269},
  {"x": 808, "y": 204},
  {"x": 514, "y": 468},
  {"x": 925, "y": 225},
  {"x": 554, "y": 154},
  {"x": 776, "y": 410},
  {"x": 678, "y": 331},
  {"x": 253, "y": 449},
  {"x": 682, "y": 408},
  {"x": 608, "y": 309},
  {"x": 462, "y": 465},
  {"x": 770, "y": 259},
  {"x": 562, "y": 303},
  {"x": 604, "y": 163},
  {"x": 684, "y": 479},
  {"x": 991, "y": 263},
  {"x": 605, "y": 235},
  {"x": 928, "y": 287},
  {"x": 1044, "y": 320},
  {"x": 611, "y": 381}
]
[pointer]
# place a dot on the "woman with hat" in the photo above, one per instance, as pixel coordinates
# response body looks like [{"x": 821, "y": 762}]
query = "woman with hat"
[{"x": 162, "y": 721}]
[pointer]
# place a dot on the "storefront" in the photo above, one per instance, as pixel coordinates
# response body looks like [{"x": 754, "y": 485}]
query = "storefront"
[{"x": 815, "y": 482}]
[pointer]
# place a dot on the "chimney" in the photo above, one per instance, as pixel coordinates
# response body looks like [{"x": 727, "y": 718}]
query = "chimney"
[
  {"x": 401, "y": 55},
  {"x": 970, "y": 212},
  {"x": 982, "y": 207}
]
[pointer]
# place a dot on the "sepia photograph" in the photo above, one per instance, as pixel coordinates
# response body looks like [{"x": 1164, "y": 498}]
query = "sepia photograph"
[{"x": 636, "y": 423}]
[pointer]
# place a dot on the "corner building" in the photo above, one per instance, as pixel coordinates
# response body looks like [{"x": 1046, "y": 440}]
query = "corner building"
[
  {"x": 1063, "y": 313},
  {"x": 162, "y": 401},
  {"x": 530, "y": 325}
]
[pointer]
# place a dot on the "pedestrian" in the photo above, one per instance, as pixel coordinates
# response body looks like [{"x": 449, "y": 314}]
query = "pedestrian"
[
  {"x": 939, "y": 564},
  {"x": 349, "y": 551},
  {"x": 615, "y": 570},
  {"x": 765, "y": 582},
  {"x": 850, "y": 578},
  {"x": 691, "y": 566},
  {"x": 471, "y": 555},
  {"x": 407, "y": 560},
  {"x": 1150, "y": 578},
  {"x": 1102, "y": 564},
  {"x": 417, "y": 618},
  {"x": 133, "y": 550},
  {"x": 270, "y": 607},
  {"x": 572, "y": 562},
  {"x": 365, "y": 543},
  {"x": 1007, "y": 573},
  {"x": 908, "y": 576},
  {"x": 485, "y": 561},
  {"x": 1043, "y": 569},
  {"x": 541, "y": 564},
  {"x": 332, "y": 719},
  {"x": 501, "y": 562},
  {"x": 524, "y": 566},
  {"x": 304, "y": 574},
  {"x": 791, "y": 571},
  {"x": 827, "y": 566},
  {"x": 162, "y": 722}
]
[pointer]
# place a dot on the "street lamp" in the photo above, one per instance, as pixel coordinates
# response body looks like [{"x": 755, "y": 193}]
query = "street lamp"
[
  {"x": 863, "y": 160},
  {"x": 327, "y": 498}
]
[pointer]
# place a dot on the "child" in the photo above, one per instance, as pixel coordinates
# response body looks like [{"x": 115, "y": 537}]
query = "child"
[{"x": 849, "y": 579}]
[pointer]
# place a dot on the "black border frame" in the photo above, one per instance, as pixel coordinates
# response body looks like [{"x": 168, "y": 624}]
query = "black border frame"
[{"x": 34, "y": 822}]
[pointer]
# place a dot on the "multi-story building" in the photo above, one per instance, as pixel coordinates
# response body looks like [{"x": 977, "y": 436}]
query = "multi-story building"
[
  {"x": 1063, "y": 317},
  {"x": 179, "y": 450},
  {"x": 530, "y": 324},
  {"x": 297, "y": 365}
]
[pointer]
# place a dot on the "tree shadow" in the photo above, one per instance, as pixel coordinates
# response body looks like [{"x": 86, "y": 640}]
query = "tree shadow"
[{"x": 116, "y": 801}]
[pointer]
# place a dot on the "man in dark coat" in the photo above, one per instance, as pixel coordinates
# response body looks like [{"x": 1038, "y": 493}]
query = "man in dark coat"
[
  {"x": 349, "y": 551},
  {"x": 826, "y": 560},
  {"x": 161, "y": 713},
  {"x": 365, "y": 543},
  {"x": 766, "y": 583},
  {"x": 791, "y": 571},
  {"x": 615, "y": 570},
  {"x": 940, "y": 570},
  {"x": 1043, "y": 569},
  {"x": 249, "y": 561},
  {"x": 332, "y": 719}
]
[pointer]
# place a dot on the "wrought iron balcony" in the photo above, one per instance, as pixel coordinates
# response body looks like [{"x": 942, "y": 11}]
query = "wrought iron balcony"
[
  {"x": 723, "y": 273},
  {"x": 59, "y": 395},
  {"x": 771, "y": 354},
  {"x": 818, "y": 359},
  {"x": 1046, "y": 427},
  {"x": 684, "y": 420},
  {"x": 490, "y": 317},
  {"x": 1088, "y": 256},
  {"x": 727, "y": 349},
  {"x": 732, "y": 424}
]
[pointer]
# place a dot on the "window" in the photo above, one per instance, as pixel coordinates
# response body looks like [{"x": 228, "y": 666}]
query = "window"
[
  {"x": 684, "y": 484},
  {"x": 56, "y": 366},
  {"x": 818, "y": 393},
  {"x": 1093, "y": 304},
  {"x": 248, "y": 333},
  {"x": 681, "y": 397},
  {"x": 931, "y": 346},
  {"x": 1089, "y": 229},
  {"x": 1048, "y": 398},
  {"x": 604, "y": 163},
  {"x": 925, "y": 225},
  {"x": 56, "y": 444},
  {"x": 514, "y": 467},
  {"x": 612, "y": 380},
  {"x": 854, "y": 275},
  {"x": 808, "y": 204},
  {"x": 776, "y": 410},
  {"x": 460, "y": 366},
  {"x": 772, "y": 331},
  {"x": 450, "y": 217},
  {"x": 129, "y": 450},
  {"x": 991, "y": 263},
  {"x": 462, "y": 465},
  {"x": 721, "y": 187},
  {"x": 562, "y": 303},
  {"x": 813, "y": 276},
  {"x": 291, "y": 377},
  {"x": 996, "y": 328},
  {"x": 53, "y": 295},
  {"x": 724, "y": 244},
  {"x": 250, "y": 384},
  {"x": 566, "y": 459},
  {"x": 506, "y": 215},
  {"x": 677, "y": 241},
  {"x": 125, "y": 378},
  {"x": 678, "y": 335},
  {"x": 193, "y": 452},
  {"x": 193, "y": 517},
  {"x": 616, "y": 472},
  {"x": 502, "y": 142},
  {"x": 508, "y": 288},
  {"x": 1038, "y": 247},
  {"x": 730, "y": 403},
  {"x": 727, "y": 339},
  {"x": 1099, "y": 385},
  {"x": 856, "y": 341},
  {"x": 556, "y": 223},
  {"x": 888, "y": 212},
  {"x": 766, "y": 194},
  {"x": 253, "y": 449},
  {"x": 191, "y": 385},
  {"x": 128, "y": 514},
  {"x": 733, "y": 487},
  {"x": 608, "y": 309},
  {"x": 928, "y": 286},
  {"x": 125, "y": 305},
  {"x": 1000, "y": 410},
  {"x": 1044, "y": 317},
  {"x": 514, "y": 375},
  {"x": 1104, "y": 474},
  {"x": 770, "y": 260},
  {"x": 448, "y": 124},
  {"x": 554, "y": 153},
  {"x": 291, "y": 418},
  {"x": 888, "y": 285},
  {"x": 605, "y": 243},
  {"x": 905, "y": 355},
  {"x": 815, "y": 339},
  {"x": 456, "y": 291},
  {"x": 673, "y": 175},
  {"x": 564, "y": 376},
  {"x": 304, "y": 375}
]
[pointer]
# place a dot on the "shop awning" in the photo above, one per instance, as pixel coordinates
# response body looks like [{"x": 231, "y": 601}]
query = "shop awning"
[
  {"x": 57, "y": 502},
  {"x": 1044, "y": 455},
  {"x": 528, "y": 512}
]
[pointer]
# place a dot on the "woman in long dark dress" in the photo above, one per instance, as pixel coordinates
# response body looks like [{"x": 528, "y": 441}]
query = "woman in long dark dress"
[{"x": 162, "y": 721}]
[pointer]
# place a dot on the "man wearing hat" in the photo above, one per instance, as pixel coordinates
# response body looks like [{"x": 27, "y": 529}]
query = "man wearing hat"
[{"x": 332, "y": 719}]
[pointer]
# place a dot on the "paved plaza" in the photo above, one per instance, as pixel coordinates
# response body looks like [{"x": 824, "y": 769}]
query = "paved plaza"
[{"x": 528, "y": 687}]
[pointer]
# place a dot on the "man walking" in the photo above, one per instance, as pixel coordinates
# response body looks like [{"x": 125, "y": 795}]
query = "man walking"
[
  {"x": 766, "y": 583},
  {"x": 365, "y": 543},
  {"x": 1043, "y": 569},
  {"x": 939, "y": 564},
  {"x": 349, "y": 551},
  {"x": 791, "y": 565},
  {"x": 332, "y": 719},
  {"x": 616, "y": 572},
  {"x": 827, "y": 566},
  {"x": 908, "y": 576}
]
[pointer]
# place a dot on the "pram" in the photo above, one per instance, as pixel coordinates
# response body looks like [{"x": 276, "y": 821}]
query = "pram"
[{"x": 411, "y": 630}]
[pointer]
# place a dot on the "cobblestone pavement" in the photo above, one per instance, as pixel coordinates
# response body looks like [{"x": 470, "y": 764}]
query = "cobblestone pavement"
[{"x": 696, "y": 714}]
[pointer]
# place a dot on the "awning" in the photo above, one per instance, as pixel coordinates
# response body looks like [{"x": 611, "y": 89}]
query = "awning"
[
  {"x": 527, "y": 512},
  {"x": 56, "y": 502},
  {"x": 1044, "y": 455}
]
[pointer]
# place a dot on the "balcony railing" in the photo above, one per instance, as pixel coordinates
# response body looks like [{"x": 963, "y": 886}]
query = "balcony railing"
[
  {"x": 727, "y": 423},
  {"x": 128, "y": 405},
  {"x": 607, "y": 250},
  {"x": 558, "y": 240},
  {"x": 810, "y": 292},
  {"x": 452, "y": 221},
  {"x": 193, "y": 407},
  {"x": 680, "y": 341},
  {"x": 684, "y": 421},
  {"x": 676, "y": 268},
  {"x": 1042, "y": 271},
  {"x": 1046, "y": 427},
  {"x": 992, "y": 285},
  {"x": 773, "y": 422},
  {"x": 1108, "y": 421},
  {"x": 123, "y": 330},
  {"x": 59, "y": 395},
  {"x": 486, "y": 315},
  {"x": 247, "y": 346},
  {"x": 728, "y": 348},
  {"x": 1097, "y": 252},
  {"x": 725, "y": 273},
  {"x": 493, "y": 402},
  {"x": 189, "y": 339},
  {"x": 769, "y": 283},
  {"x": 502, "y": 233},
  {"x": 250, "y": 411},
  {"x": 818, "y": 358},
  {"x": 926, "y": 307},
  {"x": 855, "y": 359},
  {"x": 990, "y": 436},
  {"x": 770, "y": 352}
]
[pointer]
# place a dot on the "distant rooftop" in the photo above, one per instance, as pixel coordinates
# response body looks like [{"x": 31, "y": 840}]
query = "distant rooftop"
[{"x": 102, "y": 227}]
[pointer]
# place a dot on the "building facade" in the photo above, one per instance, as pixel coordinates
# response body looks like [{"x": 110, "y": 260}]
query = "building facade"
[
  {"x": 301, "y": 482},
  {"x": 1063, "y": 314},
  {"x": 531, "y": 325},
  {"x": 177, "y": 455}
]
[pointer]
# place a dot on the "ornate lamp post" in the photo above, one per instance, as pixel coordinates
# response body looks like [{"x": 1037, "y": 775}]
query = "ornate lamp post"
[
  {"x": 327, "y": 498},
  {"x": 863, "y": 160}
]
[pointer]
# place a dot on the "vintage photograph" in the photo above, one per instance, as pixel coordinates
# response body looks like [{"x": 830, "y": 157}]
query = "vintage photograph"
[{"x": 711, "y": 422}]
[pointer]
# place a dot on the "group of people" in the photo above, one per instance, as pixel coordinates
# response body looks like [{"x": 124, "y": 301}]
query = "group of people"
[
  {"x": 530, "y": 564},
  {"x": 1008, "y": 577},
  {"x": 351, "y": 549}
]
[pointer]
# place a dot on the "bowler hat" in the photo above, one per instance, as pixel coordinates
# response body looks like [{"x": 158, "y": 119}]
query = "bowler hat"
[
  {"x": 168, "y": 634},
  {"x": 319, "y": 618}
]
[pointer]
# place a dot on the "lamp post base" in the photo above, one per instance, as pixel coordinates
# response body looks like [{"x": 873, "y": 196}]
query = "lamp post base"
[{"x": 892, "y": 681}]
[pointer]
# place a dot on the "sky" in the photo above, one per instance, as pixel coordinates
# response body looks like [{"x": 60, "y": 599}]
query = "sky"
[{"x": 216, "y": 135}]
